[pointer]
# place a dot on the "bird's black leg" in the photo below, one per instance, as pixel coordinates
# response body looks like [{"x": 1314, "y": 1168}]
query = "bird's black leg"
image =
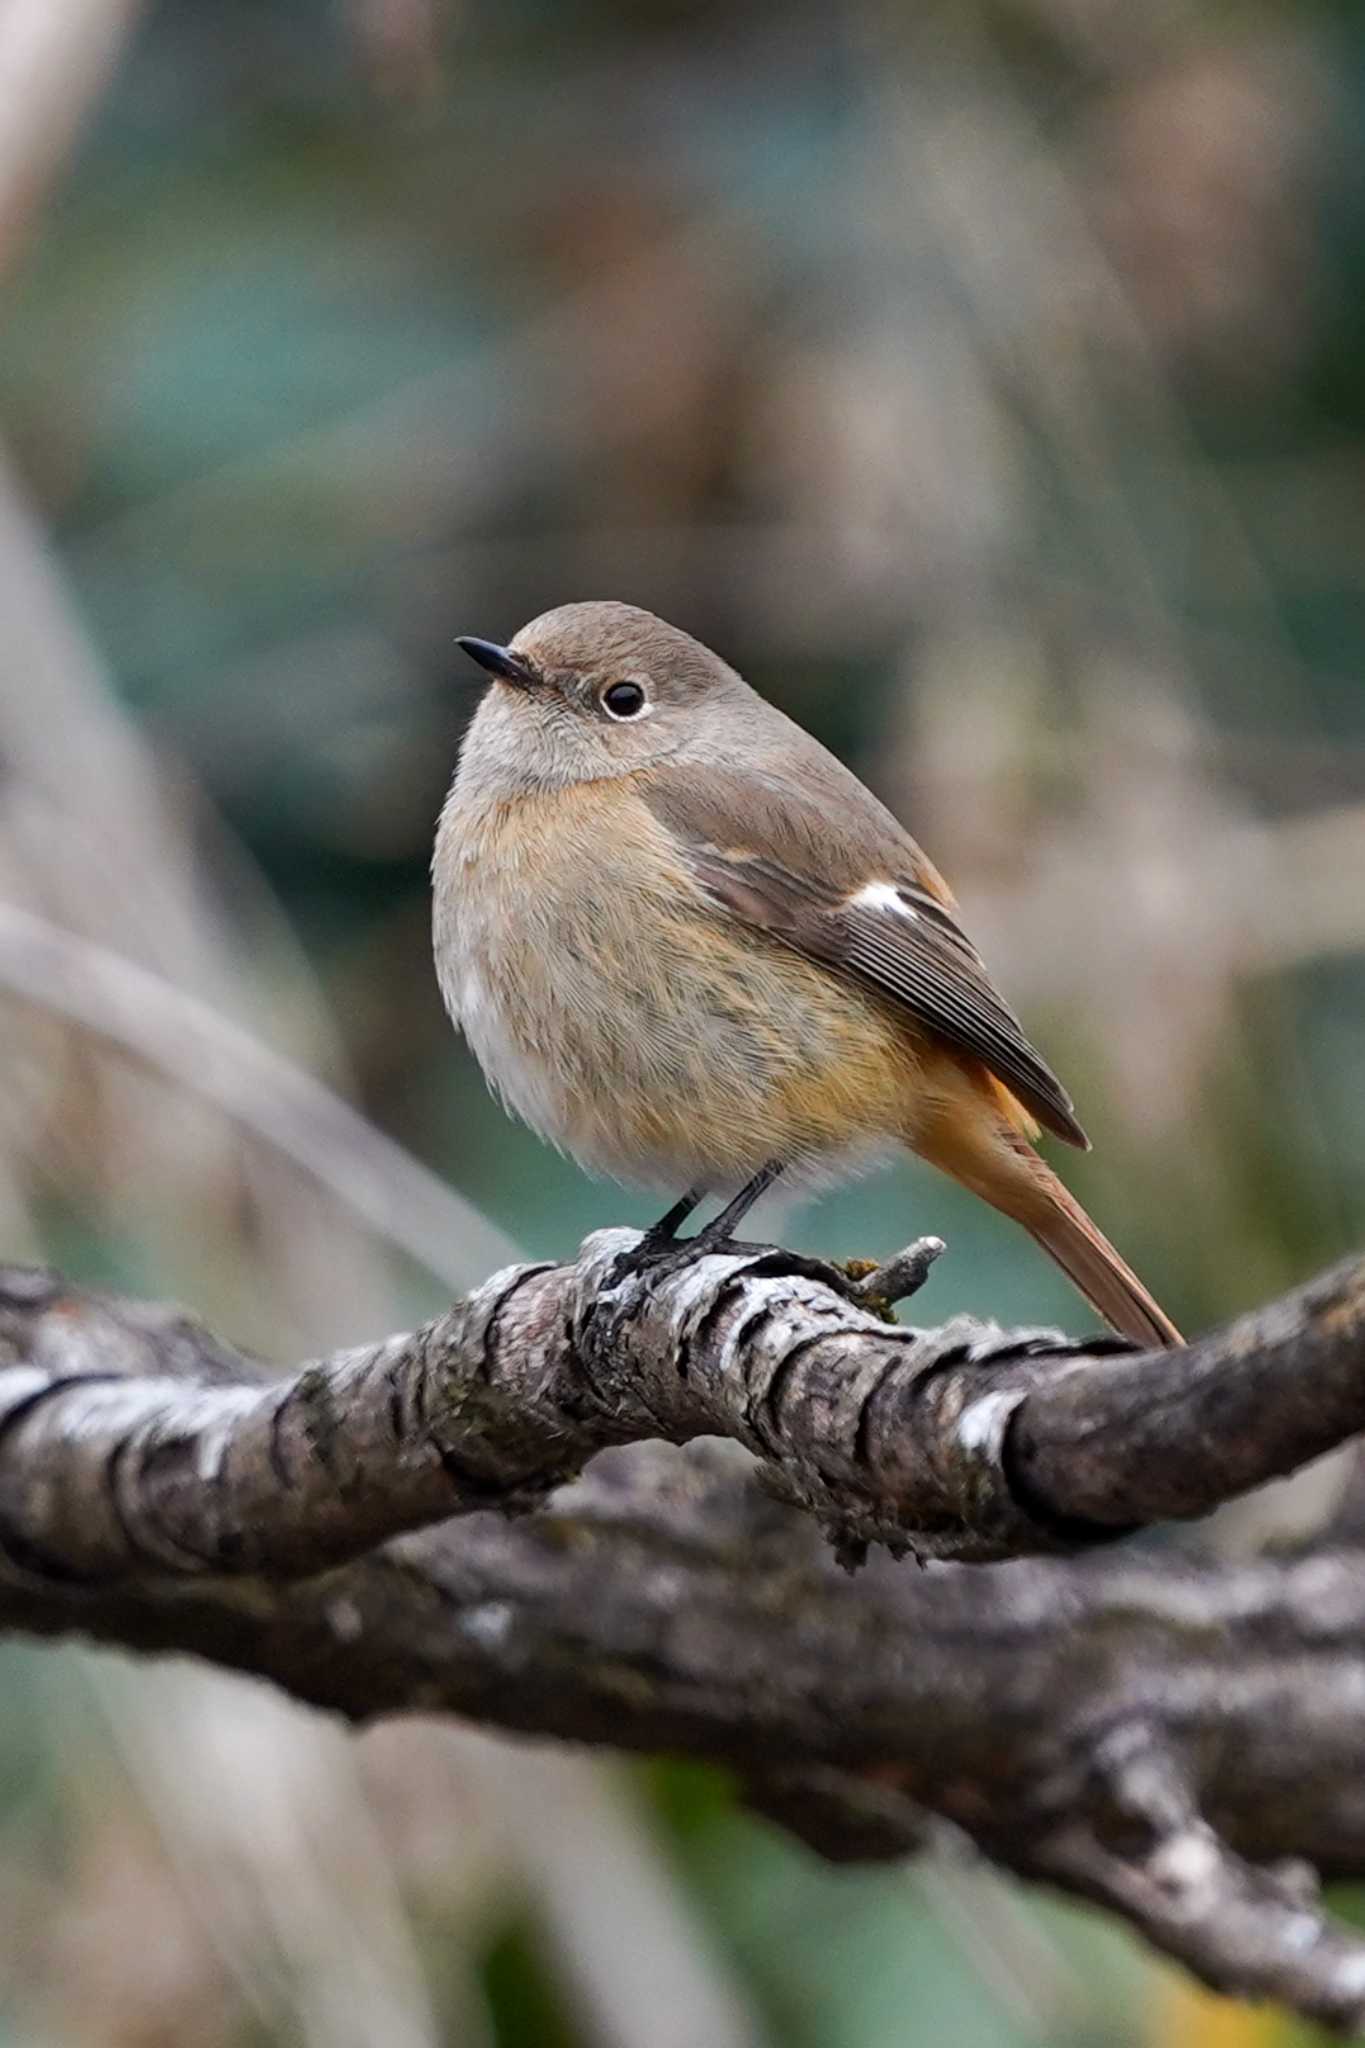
[
  {"x": 719, "y": 1236},
  {"x": 722, "y": 1229},
  {"x": 661, "y": 1244},
  {"x": 672, "y": 1220},
  {"x": 660, "y": 1241}
]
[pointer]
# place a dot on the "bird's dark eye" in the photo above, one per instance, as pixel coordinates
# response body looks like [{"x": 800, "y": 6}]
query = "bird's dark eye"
[{"x": 623, "y": 700}]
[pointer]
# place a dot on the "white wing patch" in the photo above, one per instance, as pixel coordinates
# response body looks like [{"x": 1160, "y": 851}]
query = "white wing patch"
[{"x": 883, "y": 896}]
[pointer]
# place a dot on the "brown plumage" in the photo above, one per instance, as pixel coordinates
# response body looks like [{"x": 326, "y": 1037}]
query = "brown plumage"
[{"x": 685, "y": 941}]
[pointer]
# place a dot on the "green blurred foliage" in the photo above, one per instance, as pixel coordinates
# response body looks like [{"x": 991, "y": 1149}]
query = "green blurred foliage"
[{"x": 525, "y": 2003}]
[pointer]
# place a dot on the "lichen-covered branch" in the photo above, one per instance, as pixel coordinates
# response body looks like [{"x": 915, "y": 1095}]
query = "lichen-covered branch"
[
  {"x": 963, "y": 1441},
  {"x": 1182, "y": 1741}
]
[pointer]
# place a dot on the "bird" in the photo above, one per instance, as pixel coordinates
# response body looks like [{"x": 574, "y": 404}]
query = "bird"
[{"x": 691, "y": 948}]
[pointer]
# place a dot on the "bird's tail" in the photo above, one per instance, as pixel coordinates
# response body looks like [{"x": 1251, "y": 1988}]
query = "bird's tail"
[
  {"x": 1052, "y": 1215},
  {"x": 1000, "y": 1165}
]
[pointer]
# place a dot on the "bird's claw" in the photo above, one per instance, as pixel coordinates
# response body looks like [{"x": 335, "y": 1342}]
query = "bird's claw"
[{"x": 867, "y": 1285}]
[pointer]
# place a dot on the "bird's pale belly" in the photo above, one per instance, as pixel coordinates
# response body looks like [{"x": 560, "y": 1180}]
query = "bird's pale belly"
[
  {"x": 697, "y": 1075},
  {"x": 656, "y": 1041}
]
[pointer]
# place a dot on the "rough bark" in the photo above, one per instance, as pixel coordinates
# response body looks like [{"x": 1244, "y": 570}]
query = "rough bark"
[{"x": 1180, "y": 1740}]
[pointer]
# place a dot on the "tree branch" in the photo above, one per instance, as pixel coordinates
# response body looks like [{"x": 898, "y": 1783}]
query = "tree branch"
[
  {"x": 1160, "y": 1737},
  {"x": 965, "y": 1441}
]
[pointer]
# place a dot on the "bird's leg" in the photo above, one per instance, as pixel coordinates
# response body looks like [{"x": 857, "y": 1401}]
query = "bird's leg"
[
  {"x": 671, "y": 1222},
  {"x": 660, "y": 1241},
  {"x": 661, "y": 1245},
  {"x": 718, "y": 1236},
  {"x": 662, "y": 1236},
  {"x": 721, "y": 1229}
]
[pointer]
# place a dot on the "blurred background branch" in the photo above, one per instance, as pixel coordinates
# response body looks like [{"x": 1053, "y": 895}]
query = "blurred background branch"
[{"x": 54, "y": 64}]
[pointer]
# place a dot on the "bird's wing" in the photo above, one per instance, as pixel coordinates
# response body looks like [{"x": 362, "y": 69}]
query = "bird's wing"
[{"x": 828, "y": 871}]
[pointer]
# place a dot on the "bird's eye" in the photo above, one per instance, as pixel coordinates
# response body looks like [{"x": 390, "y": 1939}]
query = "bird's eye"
[{"x": 623, "y": 700}]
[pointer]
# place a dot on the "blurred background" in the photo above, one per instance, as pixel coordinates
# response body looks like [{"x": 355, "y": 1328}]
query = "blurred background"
[{"x": 987, "y": 380}]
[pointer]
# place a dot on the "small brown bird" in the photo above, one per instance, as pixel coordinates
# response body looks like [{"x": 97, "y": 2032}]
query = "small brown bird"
[{"x": 690, "y": 948}]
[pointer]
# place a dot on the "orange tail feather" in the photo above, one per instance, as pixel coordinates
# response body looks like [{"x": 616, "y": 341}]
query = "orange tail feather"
[
  {"x": 996, "y": 1162},
  {"x": 1053, "y": 1216}
]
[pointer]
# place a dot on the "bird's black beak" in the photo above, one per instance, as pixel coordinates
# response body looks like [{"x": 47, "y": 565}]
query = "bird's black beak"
[{"x": 499, "y": 661}]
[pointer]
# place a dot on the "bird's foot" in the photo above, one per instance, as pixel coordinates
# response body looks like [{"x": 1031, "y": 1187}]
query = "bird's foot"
[
  {"x": 777, "y": 1261},
  {"x": 865, "y": 1283},
  {"x": 655, "y": 1252}
]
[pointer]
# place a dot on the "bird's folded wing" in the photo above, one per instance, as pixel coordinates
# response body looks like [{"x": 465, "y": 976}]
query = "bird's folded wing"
[{"x": 857, "y": 895}]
